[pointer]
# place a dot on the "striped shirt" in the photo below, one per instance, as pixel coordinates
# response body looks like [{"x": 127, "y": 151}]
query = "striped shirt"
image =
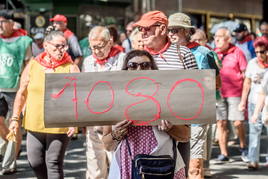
[{"x": 172, "y": 61}]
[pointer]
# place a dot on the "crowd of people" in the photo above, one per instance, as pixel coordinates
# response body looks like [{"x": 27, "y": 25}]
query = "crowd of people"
[{"x": 154, "y": 42}]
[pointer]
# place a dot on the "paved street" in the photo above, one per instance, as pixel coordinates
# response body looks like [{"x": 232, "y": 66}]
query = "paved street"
[{"x": 75, "y": 164}]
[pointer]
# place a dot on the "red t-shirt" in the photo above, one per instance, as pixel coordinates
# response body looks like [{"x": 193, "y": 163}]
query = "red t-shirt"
[{"x": 234, "y": 63}]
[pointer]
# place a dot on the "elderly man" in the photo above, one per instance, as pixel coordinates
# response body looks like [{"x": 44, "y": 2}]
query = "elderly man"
[
  {"x": 60, "y": 22},
  {"x": 244, "y": 41},
  {"x": 232, "y": 76},
  {"x": 15, "y": 51},
  {"x": 154, "y": 32},
  {"x": 180, "y": 31},
  {"x": 104, "y": 58}
]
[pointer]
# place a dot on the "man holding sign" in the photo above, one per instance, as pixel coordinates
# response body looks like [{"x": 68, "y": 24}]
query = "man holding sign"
[
  {"x": 153, "y": 26},
  {"x": 104, "y": 57}
]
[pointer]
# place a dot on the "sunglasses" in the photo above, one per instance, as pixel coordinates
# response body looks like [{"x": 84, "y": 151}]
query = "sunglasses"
[
  {"x": 174, "y": 30},
  {"x": 146, "y": 29},
  {"x": 261, "y": 52},
  {"x": 143, "y": 65}
]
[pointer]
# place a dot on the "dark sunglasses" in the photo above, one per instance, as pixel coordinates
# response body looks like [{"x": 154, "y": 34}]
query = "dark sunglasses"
[
  {"x": 174, "y": 30},
  {"x": 261, "y": 52},
  {"x": 143, "y": 65},
  {"x": 147, "y": 28}
]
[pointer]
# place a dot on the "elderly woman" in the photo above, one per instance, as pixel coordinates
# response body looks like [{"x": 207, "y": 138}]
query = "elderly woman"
[
  {"x": 153, "y": 140},
  {"x": 255, "y": 71},
  {"x": 45, "y": 146}
]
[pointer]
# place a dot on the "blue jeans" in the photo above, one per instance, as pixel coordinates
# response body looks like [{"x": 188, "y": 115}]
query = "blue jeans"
[{"x": 255, "y": 130}]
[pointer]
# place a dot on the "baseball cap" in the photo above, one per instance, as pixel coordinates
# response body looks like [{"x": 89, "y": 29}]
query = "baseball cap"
[
  {"x": 179, "y": 20},
  {"x": 241, "y": 28},
  {"x": 38, "y": 36},
  {"x": 150, "y": 18},
  {"x": 58, "y": 17}
]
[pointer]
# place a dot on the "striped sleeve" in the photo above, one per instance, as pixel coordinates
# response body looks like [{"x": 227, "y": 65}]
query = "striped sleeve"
[{"x": 188, "y": 58}]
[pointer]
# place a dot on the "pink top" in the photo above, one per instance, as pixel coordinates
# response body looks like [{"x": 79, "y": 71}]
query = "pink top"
[
  {"x": 234, "y": 63},
  {"x": 141, "y": 141}
]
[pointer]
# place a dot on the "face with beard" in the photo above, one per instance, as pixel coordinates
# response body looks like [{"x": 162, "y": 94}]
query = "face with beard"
[{"x": 239, "y": 36}]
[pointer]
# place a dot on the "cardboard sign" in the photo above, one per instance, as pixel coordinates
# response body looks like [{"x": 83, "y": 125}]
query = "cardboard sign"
[{"x": 144, "y": 97}]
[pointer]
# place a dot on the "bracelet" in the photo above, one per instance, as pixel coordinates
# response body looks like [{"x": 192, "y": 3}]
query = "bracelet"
[
  {"x": 14, "y": 119},
  {"x": 114, "y": 137}
]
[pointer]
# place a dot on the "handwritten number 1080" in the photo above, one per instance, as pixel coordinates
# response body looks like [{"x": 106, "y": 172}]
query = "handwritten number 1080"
[{"x": 140, "y": 95}]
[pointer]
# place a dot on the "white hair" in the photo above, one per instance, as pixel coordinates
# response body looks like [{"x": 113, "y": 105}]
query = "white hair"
[
  {"x": 99, "y": 32},
  {"x": 228, "y": 33}
]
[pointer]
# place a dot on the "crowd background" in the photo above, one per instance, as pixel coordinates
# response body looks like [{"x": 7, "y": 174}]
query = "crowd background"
[{"x": 230, "y": 51}]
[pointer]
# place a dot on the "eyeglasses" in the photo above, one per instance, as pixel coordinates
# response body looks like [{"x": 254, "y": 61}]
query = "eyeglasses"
[
  {"x": 175, "y": 30},
  {"x": 100, "y": 47},
  {"x": 59, "y": 46},
  {"x": 143, "y": 65},
  {"x": 146, "y": 29},
  {"x": 260, "y": 52}
]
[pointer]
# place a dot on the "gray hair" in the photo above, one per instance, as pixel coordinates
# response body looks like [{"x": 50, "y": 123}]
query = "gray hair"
[
  {"x": 51, "y": 33},
  {"x": 99, "y": 32},
  {"x": 228, "y": 32}
]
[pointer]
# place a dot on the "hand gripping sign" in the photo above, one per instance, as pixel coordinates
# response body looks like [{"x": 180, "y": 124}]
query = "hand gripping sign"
[{"x": 143, "y": 97}]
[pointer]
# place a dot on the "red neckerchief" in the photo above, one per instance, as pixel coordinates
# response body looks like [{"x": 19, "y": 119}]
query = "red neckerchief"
[
  {"x": 160, "y": 52},
  {"x": 261, "y": 63},
  {"x": 246, "y": 39},
  {"x": 113, "y": 52},
  {"x": 208, "y": 47},
  {"x": 67, "y": 33},
  {"x": 16, "y": 33},
  {"x": 122, "y": 49},
  {"x": 54, "y": 63},
  {"x": 191, "y": 45},
  {"x": 220, "y": 54}
]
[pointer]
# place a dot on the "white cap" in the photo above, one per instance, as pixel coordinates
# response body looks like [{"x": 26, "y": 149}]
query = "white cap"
[{"x": 38, "y": 36}]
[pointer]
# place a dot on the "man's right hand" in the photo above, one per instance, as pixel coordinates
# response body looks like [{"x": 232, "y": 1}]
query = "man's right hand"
[{"x": 242, "y": 106}]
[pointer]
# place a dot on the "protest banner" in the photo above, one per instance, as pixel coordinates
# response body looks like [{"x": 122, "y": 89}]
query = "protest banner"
[{"x": 144, "y": 97}]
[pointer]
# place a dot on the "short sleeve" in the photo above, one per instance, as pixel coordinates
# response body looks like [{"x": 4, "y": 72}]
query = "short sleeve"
[
  {"x": 249, "y": 69},
  {"x": 241, "y": 60},
  {"x": 189, "y": 61},
  {"x": 264, "y": 83}
]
